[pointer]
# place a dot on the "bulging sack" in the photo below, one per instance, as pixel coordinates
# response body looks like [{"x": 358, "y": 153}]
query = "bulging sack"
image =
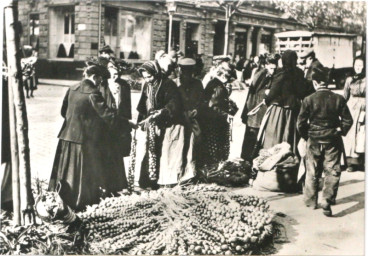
[{"x": 279, "y": 179}]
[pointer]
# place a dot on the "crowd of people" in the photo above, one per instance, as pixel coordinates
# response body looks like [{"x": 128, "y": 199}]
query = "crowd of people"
[{"x": 185, "y": 124}]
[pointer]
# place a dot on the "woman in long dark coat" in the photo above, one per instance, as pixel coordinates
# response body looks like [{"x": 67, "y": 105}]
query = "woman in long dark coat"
[
  {"x": 80, "y": 162},
  {"x": 159, "y": 106},
  {"x": 214, "y": 123},
  {"x": 284, "y": 101},
  {"x": 258, "y": 89}
]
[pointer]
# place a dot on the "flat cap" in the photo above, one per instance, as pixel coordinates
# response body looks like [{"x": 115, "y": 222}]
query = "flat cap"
[
  {"x": 321, "y": 74},
  {"x": 222, "y": 58},
  {"x": 186, "y": 62},
  {"x": 307, "y": 54},
  {"x": 106, "y": 49}
]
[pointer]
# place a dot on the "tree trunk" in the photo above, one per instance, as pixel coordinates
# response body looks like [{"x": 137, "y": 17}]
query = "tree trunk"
[
  {"x": 226, "y": 42},
  {"x": 14, "y": 157},
  {"x": 15, "y": 84}
]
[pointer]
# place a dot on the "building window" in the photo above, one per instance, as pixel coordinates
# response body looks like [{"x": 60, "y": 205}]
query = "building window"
[
  {"x": 111, "y": 27},
  {"x": 266, "y": 43},
  {"x": 135, "y": 36},
  {"x": 62, "y": 28},
  {"x": 192, "y": 38},
  {"x": 175, "y": 35},
  {"x": 34, "y": 30}
]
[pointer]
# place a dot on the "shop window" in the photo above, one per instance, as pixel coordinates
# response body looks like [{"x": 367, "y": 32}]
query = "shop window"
[
  {"x": 111, "y": 27},
  {"x": 135, "y": 37},
  {"x": 62, "y": 28},
  {"x": 34, "y": 30}
]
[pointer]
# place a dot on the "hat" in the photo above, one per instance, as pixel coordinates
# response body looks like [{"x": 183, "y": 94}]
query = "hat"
[
  {"x": 222, "y": 58},
  {"x": 321, "y": 75},
  {"x": 186, "y": 62},
  {"x": 307, "y": 54},
  {"x": 106, "y": 49},
  {"x": 94, "y": 66}
]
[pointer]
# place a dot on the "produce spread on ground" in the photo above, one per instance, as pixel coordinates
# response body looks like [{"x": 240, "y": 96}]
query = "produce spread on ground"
[{"x": 195, "y": 219}]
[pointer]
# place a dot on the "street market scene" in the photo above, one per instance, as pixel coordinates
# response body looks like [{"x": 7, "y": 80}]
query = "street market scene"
[{"x": 183, "y": 127}]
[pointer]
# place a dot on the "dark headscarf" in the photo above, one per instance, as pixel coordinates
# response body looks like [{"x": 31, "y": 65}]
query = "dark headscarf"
[
  {"x": 361, "y": 75},
  {"x": 150, "y": 67},
  {"x": 289, "y": 60}
]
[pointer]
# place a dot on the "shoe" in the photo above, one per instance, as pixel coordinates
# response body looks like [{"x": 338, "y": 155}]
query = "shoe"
[{"x": 327, "y": 211}]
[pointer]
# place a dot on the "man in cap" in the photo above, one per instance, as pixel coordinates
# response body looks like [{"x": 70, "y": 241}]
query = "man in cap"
[
  {"x": 324, "y": 117},
  {"x": 310, "y": 62},
  {"x": 216, "y": 61}
]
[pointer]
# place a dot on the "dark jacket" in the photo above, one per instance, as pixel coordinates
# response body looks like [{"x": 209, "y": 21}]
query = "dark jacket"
[
  {"x": 120, "y": 131},
  {"x": 167, "y": 99},
  {"x": 288, "y": 89},
  {"x": 191, "y": 92},
  {"x": 261, "y": 82},
  {"x": 125, "y": 107},
  {"x": 321, "y": 114},
  {"x": 217, "y": 102},
  {"x": 86, "y": 114}
]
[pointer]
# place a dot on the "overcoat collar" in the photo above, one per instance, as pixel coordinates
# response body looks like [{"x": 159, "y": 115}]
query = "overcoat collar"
[{"x": 87, "y": 86}]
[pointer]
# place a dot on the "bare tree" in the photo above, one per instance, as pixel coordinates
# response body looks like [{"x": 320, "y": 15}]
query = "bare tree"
[
  {"x": 12, "y": 29},
  {"x": 230, "y": 8}
]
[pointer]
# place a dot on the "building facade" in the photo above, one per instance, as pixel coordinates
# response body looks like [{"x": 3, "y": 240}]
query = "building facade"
[{"x": 66, "y": 32}]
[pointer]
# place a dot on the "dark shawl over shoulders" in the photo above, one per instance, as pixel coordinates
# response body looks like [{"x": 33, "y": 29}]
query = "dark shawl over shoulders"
[{"x": 167, "y": 99}]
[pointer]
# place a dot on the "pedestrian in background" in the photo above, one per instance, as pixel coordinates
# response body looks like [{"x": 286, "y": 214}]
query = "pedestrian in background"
[
  {"x": 354, "y": 93},
  {"x": 324, "y": 117},
  {"x": 79, "y": 169},
  {"x": 258, "y": 90},
  {"x": 284, "y": 100}
]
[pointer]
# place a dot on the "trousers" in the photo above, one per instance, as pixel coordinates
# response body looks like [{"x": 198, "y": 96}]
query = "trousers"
[{"x": 322, "y": 157}]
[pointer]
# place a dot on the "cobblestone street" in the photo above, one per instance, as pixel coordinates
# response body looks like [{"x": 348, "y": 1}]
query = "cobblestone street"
[{"x": 307, "y": 232}]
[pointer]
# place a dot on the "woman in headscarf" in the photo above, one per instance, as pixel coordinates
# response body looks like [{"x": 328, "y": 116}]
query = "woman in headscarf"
[
  {"x": 284, "y": 101},
  {"x": 160, "y": 112},
  {"x": 354, "y": 93},
  {"x": 80, "y": 168},
  {"x": 258, "y": 89},
  {"x": 214, "y": 121}
]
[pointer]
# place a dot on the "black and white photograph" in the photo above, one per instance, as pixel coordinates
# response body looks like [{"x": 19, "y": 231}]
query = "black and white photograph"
[{"x": 183, "y": 127}]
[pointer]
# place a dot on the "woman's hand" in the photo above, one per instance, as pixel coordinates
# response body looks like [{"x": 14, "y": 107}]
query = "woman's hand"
[{"x": 133, "y": 125}]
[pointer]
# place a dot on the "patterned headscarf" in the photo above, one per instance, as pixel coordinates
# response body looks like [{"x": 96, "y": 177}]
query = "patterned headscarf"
[{"x": 153, "y": 69}]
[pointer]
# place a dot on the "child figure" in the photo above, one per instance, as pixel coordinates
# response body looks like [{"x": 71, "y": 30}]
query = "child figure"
[{"x": 324, "y": 117}]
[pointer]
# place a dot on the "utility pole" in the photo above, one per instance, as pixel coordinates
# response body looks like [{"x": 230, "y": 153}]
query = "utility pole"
[{"x": 171, "y": 9}]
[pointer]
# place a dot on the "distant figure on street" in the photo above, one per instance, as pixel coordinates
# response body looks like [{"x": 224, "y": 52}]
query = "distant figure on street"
[
  {"x": 354, "y": 94},
  {"x": 258, "y": 89},
  {"x": 212, "y": 73},
  {"x": 309, "y": 61},
  {"x": 284, "y": 100},
  {"x": 106, "y": 52},
  {"x": 324, "y": 117}
]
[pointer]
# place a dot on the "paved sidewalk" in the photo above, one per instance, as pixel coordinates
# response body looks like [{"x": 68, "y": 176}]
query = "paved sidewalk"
[
  {"x": 58, "y": 82},
  {"x": 307, "y": 231}
]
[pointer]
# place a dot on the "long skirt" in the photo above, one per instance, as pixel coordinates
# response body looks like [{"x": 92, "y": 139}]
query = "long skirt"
[
  {"x": 356, "y": 133},
  {"x": 249, "y": 143},
  {"x": 82, "y": 171},
  {"x": 278, "y": 125},
  {"x": 177, "y": 162},
  {"x": 216, "y": 143}
]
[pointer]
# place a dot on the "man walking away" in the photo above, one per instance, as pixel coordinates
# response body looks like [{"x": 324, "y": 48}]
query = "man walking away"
[{"x": 324, "y": 117}]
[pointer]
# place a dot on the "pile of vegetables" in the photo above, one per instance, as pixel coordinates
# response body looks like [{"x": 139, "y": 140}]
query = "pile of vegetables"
[
  {"x": 233, "y": 173},
  {"x": 200, "y": 219}
]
